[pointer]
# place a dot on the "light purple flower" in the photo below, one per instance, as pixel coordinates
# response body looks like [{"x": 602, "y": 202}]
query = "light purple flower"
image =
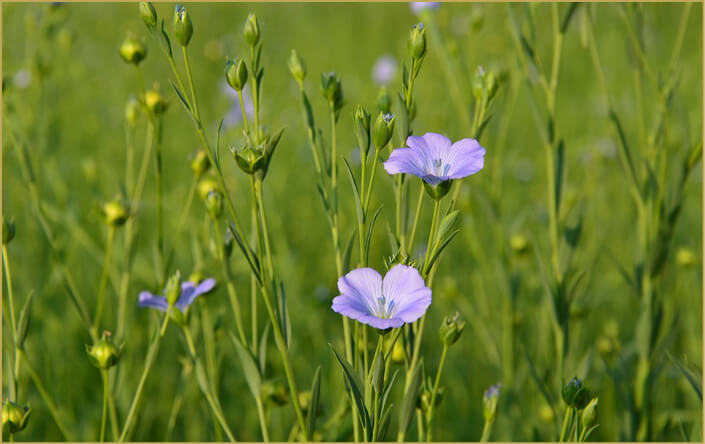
[
  {"x": 401, "y": 297},
  {"x": 418, "y": 7},
  {"x": 434, "y": 159},
  {"x": 189, "y": 293},
  {"x": 384, "y": 70}
]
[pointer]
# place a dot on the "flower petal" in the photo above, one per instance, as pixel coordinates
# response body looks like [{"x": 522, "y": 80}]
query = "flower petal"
[
  {"x": 404, "y": 160},
  {"x": 406, "y": 288},
  {"x": 466, "y": 157},
  {"x": 189, "y": 292},
  {"x": 363, "y": 284},
  {"x": 147, "y": 299},
  {"x": 354, "y": 308}
]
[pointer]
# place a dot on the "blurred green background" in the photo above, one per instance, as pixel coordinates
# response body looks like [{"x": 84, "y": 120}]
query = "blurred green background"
[{"x": 77, "y": 137}]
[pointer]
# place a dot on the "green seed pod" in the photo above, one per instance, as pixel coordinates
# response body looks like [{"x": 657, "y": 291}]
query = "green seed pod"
[
  {"x": 200, "y": 163},
  {"x": 297, "y": 66},
  {"x": 206, "y": 185},
  {"x": 173, "y": 288},
  {"x": 133, "y": 50},
  {"x": 589, "y": 414},
  {"x": 115, "y": 213},
  {"x": 149, "y": 15},
  {"x": 575, "y": 394},
  {"x": 684, "y": 257},
  {"x": 251, "y": 30},
  {"x": 451, "y": 329},
  {"x": 417, "y": 42},
  {"x": 438, "y": 191},
  {"x": 214, "y": 203},
  {"x": 14, "y": 417},
  {"x": 384, "y": 100},
  {"x": 378, "y": 374},
  {"x": 8, "y": 231},
  {"x": 156, "y": 103},
  {"x": 332, "y": 88},
  {"x": 132, "y": 111},
  {"x": 103, "y": 354},
  {"x": 236, "y": 73},
  {"x": 183, "y": 28},
  {"x": 249, "y": 159},
  {"x": 383, "y": 130},
  {"x": 361, "y": 121}
]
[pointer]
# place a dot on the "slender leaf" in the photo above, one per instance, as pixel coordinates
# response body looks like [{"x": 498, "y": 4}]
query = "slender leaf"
[
  {"x": 249, "y": 367},
  {"x": 410, "y": 397},
  {"x": 23, "y": 323},
  {"x": 313, "y": 405},
  {"x": 368, "y": 239},
  {"x": 353, "y": 383}
]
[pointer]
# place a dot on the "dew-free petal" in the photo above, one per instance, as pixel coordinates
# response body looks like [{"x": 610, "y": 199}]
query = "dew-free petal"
[
  {"x": 466, "y": 157},
  {"x": 405, "y": 287},
  {"x": 147, "y": 299},
  {"x": 404, "y": 160},
  {"x": 364, "y": 284}
]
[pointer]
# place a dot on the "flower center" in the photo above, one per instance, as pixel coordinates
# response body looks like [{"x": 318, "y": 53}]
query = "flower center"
[
  {"x": 383, "y": 310},
  {"x": 439, "y": 169}
]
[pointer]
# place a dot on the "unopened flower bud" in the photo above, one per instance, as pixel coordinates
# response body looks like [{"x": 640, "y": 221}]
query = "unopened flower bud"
[
  {"x": 489, "y": 402},
  {"x": 14, "y": 417},
  {"x": 417, "y": 42},
  {"x": 361, "y": 121},
  {"x": 196, "y": 277},
  {"x": 155, "y": 102},
  {"x": 384, "y": 100},
  {"x": 575, "y": 394},
  {"x": 451, "y": 329},
  {"x": 200, "y": 163},
  {"x": 478, "y": 83},
  {"x": 214, "y": 203},
  {"x": 115, "y": 213},
  {"x": 103, "y": 354},
  {"x": 332, "y": 88},
  {"x": 228, "y": 242},
  {"x": 205, "y": 186},
  {"x": 183, "y": 28},
  {"x": 297, "y": 66},
  {"x": 251, "y": 30},
  {"x": 519, "y": 243},
  {"x": 589, "y": 414},
  {"x": 491, "y": 84},
  {"x": 172, "y": 291},
  {"x": 132, "y": 111},
  {"x": 148, "y": 14},
  {"x": 133, "y": 50},
  {"x": 305, "y": 400},
  {"x": 8, "y": 230},
  {"x": 378, "y": 374},
  {"x": 383, "y": 129},
  {"x": 236, "y": 73},
  {"x": 275, "y": 393},
  {"x": 686, "y": 258}
]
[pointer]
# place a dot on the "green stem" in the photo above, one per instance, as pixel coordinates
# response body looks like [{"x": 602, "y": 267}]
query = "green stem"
[
  {"x": 242, "y": 111},
  {"x": 567, "y": 419},
  {"x": 262, "y": 419},
  {"x": 194, "y": 100},
  {"x": 366, "y": 203},
  {"x": 434, "y": 392},
  {"x": 431, "y": 237},
  {"x": 417, "y": 214},
  {"x": 105, "y": 405},
  {"x": 486, "y": 431},
  {"x": 103, "y": 279},
  {"x": 187, "y": 207},
  {"x": 11, "y": 304}
]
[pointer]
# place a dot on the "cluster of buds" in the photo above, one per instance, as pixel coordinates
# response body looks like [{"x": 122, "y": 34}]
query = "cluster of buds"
[
  {"x": 8, "y": 231},
  {"x": 297, "y": 67},
  {"x": 200, "y": 162},
  {"x": 133, "y": 50},
  {"x": 14, "y": 417},
  {"x": 451, "y": 329},
  {"x": 575, "y": 394},
  {"x": 115, "y": 213},
  {"x": 484, "y": 84},
  {"x": 104, "y": 353},
  {"x": 383, "y": 130},
  {"x": 254, "y": 160}
]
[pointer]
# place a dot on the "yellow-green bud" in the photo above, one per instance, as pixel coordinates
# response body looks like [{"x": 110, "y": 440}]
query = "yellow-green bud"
[
  {"x": 361, "y": 121},
  {"x": 305, "y": 400},
  {"x": 519, "y": 243},
  {"x": 14, "y": 417},
  {"x": 451, "y": 329},
  {"x": 384, "y": 100},
  {"x": 589, "y": 414},
  {"x": 205, "y": 186},
  {"x": 478, "y": 83},
  {"x": 200, "y": 162},
  {"x": 173, "y": 288},
  {"x": 686, "y": 258},
  {"x": 132, "y": 111},
  {"x": 183, "y": 28},
  {"x": 214, "y": 203},
  {"x": 297, "y": 66},
  {"x": 155, "y": 102},
  {"x": 148, "y": 14},
  {"x": 417, "y": 42},
  {"x": 251, "y": 30},
  {"x": 332, "y": 88},
  {"x": 196, "y": 277},
  {"x": 133, "y": 50},
  {"x": 236, "y": 73},
  {"x": 115, "y": 213},
  {"x": 103, "y": 354},
  {"x": 383, "y": 130},
  {"x": 8, "y": 231}
]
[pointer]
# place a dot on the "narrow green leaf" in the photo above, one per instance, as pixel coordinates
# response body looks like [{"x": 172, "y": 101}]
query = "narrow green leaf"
[
  {"x": 558, "y": 179},
  {"x": 356, "y": 192},
  {"x": 313, "y": 405},
  {"x": 692, "y": 377},
  {"x": 447, "y": 224},
  {"x": 284, "y": 315},
  {"x": 249, "y": 367},
  {"x": 263, "y": 343},
  {"x": 408, "y": 405},
  {"x": 216, "y": 155},
  {"x": 369, "y": 234},
  {"x": 180, "y": 95},
  {"x": 440, "y": 249},
  {"x": 348, "y": 251},
  {"x": 249, "y": 254},
  {"x": 352, "y": 381},
  {"x": 23, "y": 323}
]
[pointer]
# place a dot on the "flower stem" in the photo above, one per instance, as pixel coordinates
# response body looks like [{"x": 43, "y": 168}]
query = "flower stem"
[
  {"x": 375, "y": 161},
  {"x": 262, "y": 419},
  {"x": 419, "y": 203},
  {"x": 104, "y": 374},
  {"x": 567, "y": 419},
  {"x": 11, "y": 305},
  {"x": 434, "y": 392},
  {"x": 187, "y": 206},
  {"x": 103, "y": 279},
  {"x": 486, "y": 431},
  {"x": 242, "y": 111}
]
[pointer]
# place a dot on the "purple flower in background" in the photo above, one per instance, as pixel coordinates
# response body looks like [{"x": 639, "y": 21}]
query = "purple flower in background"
[
  {"x": 492, "y": 391},
  {"x": 189, "y": 293},
  {"x": 434, "y": 159},
  {"x": 418, "y": 7},
  {"x": 384, "y": 70},
  {"x": 401, "y": 297}
]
